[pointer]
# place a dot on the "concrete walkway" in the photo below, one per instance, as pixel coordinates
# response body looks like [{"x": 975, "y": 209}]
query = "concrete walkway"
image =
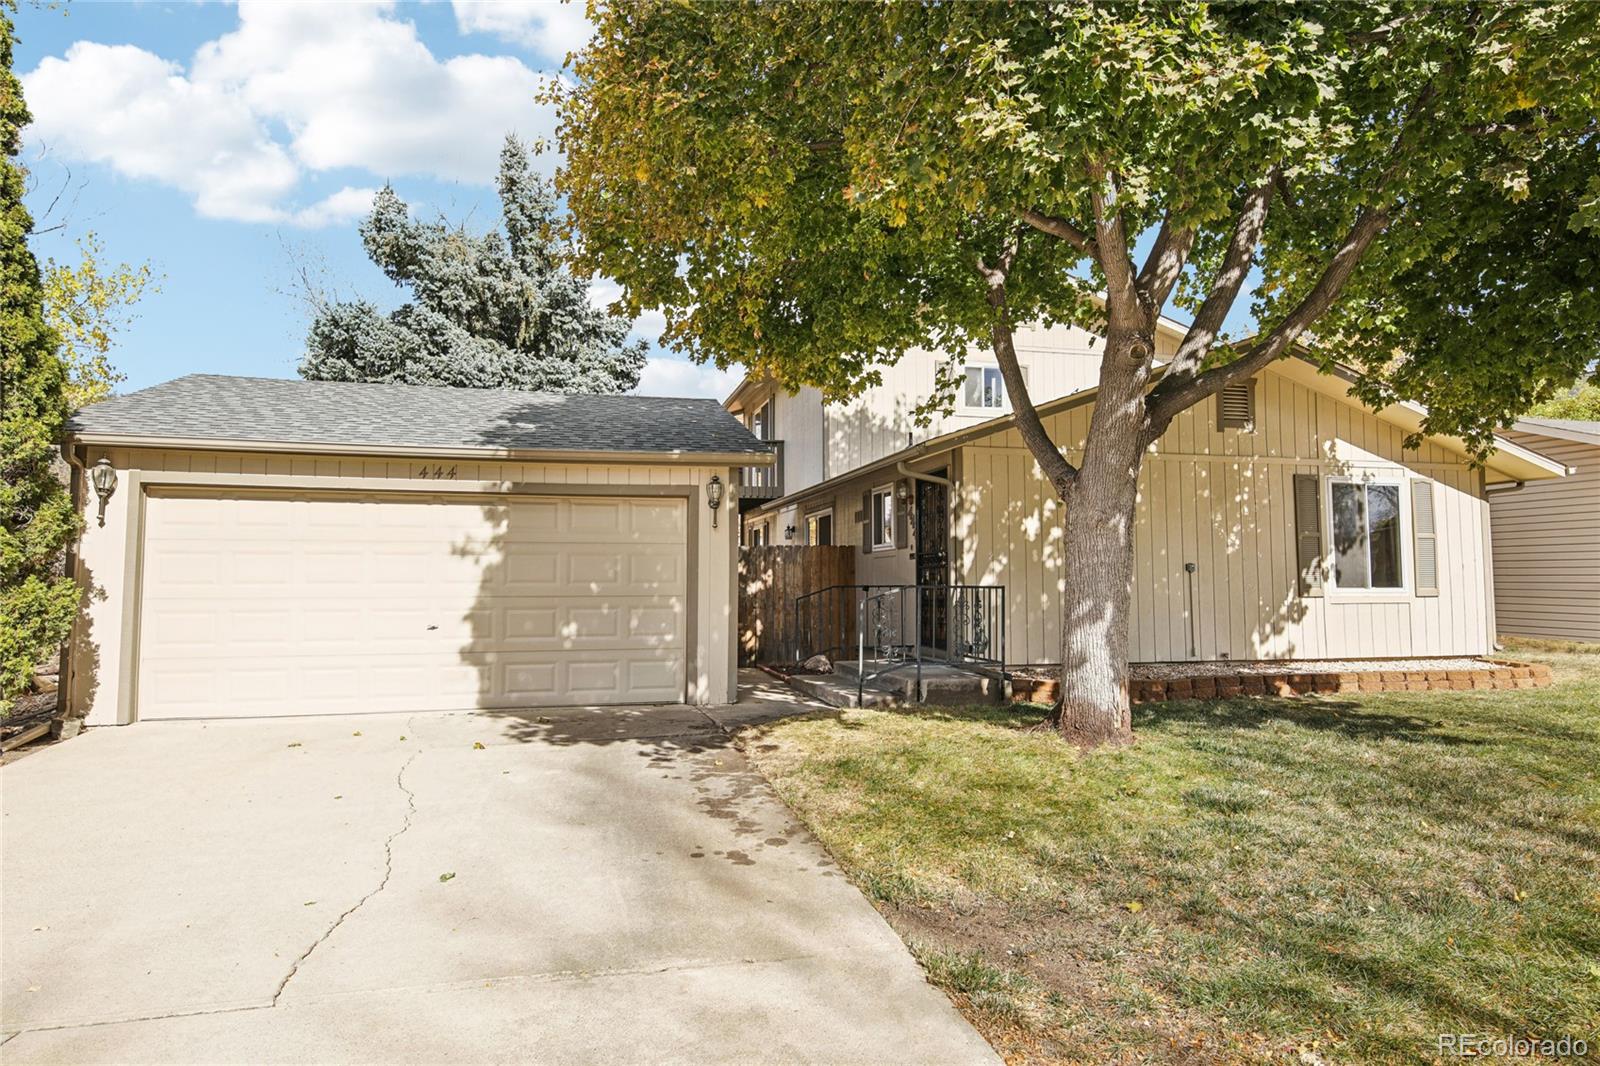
[{"x": 570, "y": 886}]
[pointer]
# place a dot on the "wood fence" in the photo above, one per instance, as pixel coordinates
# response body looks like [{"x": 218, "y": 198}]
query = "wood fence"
[{"x": 770, "y": 578}]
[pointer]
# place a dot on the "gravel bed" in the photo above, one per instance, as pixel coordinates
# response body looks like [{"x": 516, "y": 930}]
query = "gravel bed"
[{"x": 1227, "y": 667}]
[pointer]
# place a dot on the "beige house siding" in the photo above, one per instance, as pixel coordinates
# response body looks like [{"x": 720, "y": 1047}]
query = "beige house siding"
[
  {"x": 1223, "y": 500},
  {"x": 1547, "y": 547},
  {"x": 104, "y": 651}
]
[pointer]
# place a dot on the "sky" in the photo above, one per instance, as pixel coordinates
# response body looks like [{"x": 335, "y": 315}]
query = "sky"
[{"x": 234, "y": 149}]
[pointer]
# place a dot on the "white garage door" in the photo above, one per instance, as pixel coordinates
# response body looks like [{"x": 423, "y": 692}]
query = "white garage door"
[{"x": 272, "y": 605}]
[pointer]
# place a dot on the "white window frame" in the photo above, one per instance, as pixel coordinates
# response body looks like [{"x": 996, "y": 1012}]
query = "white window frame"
[
  {"x": 872, "y": 518},
  {"x": 1330, "y": 560},
  {"x": 826, "y": 512},
  {"x": 755, "y": 529},
  {"x": 978, "y": 409}
]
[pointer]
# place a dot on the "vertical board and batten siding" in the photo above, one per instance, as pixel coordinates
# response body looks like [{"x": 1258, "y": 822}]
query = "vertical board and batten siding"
[
  {"x": 105, "y": 556},
  {"x": 1058, "y": 361},
  {"x": 1547, "y": 547},
  {"x": 1224, "y": 500}
]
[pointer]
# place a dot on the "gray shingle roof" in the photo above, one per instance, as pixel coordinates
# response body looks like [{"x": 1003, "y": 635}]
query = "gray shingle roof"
[{"x": 215, "y": 407}]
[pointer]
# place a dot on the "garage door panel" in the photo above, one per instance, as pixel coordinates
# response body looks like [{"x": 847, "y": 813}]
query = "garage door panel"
[{"x": 276, "y": 605}]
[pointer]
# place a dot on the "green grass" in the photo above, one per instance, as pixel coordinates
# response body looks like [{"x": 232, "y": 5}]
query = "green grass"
[{"x": 1341, "y": 878}]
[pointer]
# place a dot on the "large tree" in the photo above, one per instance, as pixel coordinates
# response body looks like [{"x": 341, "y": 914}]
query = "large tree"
[
  {"x": 812, "y": 189},
  {"x": 37, "y": 519},
  {"x": 489, "y": 310}
]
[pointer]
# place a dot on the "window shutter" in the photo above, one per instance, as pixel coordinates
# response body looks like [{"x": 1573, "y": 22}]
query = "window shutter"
[
  {"x": 1308, "y": 533},
  {"x": 865, "y": 517},
  {"x": 1425, "y": 537},
  {"x": 1236, "y": 406},
  {"x": 902, "y": 520}
]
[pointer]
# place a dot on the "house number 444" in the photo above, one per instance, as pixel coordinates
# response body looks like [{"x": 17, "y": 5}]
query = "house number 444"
[{"x": 437, "y": 473}]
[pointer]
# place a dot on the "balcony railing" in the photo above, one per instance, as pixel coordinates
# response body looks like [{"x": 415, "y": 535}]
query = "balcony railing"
[{"x": 763, "y": 482}]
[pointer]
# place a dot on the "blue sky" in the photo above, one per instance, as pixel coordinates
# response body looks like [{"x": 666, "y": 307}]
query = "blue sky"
[{"x": 232, "y": 146}]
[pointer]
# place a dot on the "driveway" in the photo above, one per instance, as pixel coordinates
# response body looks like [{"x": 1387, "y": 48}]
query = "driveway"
[{"x": 576, "y": 886}]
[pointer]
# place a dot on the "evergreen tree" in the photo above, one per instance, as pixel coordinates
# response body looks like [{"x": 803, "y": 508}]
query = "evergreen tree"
[
  {"x": 490, "y": 311},
  {"x": 37, "y": 519}
]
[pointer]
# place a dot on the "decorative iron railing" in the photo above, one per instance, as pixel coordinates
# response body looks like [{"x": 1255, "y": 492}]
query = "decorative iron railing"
[{"x": 892, "y": 626}]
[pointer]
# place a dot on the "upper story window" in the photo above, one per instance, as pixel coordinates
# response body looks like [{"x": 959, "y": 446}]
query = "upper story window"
[
  {"x": 1366, "y": 534},
  {"x": 761, "y": 421},
  {"x": 985, "y": 388}
]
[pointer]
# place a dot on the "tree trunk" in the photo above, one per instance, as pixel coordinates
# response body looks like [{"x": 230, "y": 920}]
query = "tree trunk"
[{"x": 1097, "y": 557}]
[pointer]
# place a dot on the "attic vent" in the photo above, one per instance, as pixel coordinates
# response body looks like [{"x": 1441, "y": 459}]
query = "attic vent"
[{"x": 1236, "y": 406}]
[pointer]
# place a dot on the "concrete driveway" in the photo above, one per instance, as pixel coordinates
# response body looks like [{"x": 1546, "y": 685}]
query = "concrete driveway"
[{"x": 573, "y": 886}]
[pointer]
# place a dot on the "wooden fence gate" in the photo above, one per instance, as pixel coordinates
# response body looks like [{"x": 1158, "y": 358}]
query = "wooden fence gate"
[{"x": 769, "y": 580}]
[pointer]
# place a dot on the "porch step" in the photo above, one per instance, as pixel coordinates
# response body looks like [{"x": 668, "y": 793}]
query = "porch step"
[
  {"x": 837, "y": 691},
  {"x": 942, "y": 684}
]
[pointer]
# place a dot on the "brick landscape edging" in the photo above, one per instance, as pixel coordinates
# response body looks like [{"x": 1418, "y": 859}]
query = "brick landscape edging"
[{"x": 1506, "y": 674}]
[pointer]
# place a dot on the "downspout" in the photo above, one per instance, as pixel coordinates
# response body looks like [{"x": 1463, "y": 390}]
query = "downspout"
[{"x": 918, "y": 475}]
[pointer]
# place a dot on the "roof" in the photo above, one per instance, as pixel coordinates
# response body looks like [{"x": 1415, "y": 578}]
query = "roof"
[
  {"x": 1510, "y": 460},
  {"x": 1574, "y": 429},
  {"x": 214, "y": 410}
]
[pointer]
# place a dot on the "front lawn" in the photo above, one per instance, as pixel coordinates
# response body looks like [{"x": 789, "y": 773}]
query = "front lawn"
[{"x": 1337, "y": 879}]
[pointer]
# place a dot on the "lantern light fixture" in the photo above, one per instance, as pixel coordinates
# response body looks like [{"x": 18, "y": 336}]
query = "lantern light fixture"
[
  {"x": 714, "y": 498},
  {"x": 104, "y": 477}
]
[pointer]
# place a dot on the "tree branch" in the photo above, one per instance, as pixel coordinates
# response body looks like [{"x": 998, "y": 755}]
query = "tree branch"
[
  {"x": 1056, "y": 226},
  {"x": 1164, "y": 265},
  {"x": 1111, "y": 241},
  {"x": 1002, "y": 338},
  {"x": 1185, "y": 393},
  {"x": 1225, "y": 288}
]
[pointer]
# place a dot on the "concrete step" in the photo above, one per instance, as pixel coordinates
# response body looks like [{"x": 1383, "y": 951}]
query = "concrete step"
[{"x": 941, "y": 684}]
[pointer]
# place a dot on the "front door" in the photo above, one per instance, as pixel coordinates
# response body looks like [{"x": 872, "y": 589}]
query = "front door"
[{"x": 933, "y": 560}]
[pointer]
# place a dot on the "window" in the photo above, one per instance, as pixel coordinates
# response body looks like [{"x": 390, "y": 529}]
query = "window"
[
  {"x": 1366, "y": 534},
  {"x": 985, "y": 388},
  {"x": 819, "y": 528},
  {"x": 883, "y": 518},
  {"x": 761, "y": 422},
  {"x": 757, "y": 536}
]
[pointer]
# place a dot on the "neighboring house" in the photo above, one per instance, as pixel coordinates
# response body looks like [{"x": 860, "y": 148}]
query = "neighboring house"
[
  {"x": 1281, "y": 519},
  {"x": 287, "y": 547},
  {"x": 1547, "y": 537}
]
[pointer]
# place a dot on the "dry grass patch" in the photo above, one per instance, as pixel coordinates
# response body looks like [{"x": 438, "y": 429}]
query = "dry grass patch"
[{"x": 1340, "y": 878}]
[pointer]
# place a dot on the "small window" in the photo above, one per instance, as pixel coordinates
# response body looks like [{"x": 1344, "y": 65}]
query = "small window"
[
  {"x": 883, "y": 518},
  {"x": 1366, "y": 535},
  {"x": 819, "y": 528},
  {"x": 757, "y": 537},
  {"x": 1236, "y": 406},
  {"x": 985, "y": 388},
  {"x": 761, "y": 422}
]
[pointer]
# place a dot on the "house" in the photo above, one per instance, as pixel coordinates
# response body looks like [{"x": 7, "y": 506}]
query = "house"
[
  {"x": 268, "y": 547},
  {"x": 1282, "y": 519},
  {"x": 1547, "y": 536}
]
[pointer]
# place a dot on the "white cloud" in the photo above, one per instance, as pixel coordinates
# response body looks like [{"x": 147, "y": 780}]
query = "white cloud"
[
  {"x": 346, "y": 205},
  {"x": 666, "y": 376},
  {"x": 296, "y": 89},
  {"x": 549, "y": 27},
  {"x": 603, "y": 292}
]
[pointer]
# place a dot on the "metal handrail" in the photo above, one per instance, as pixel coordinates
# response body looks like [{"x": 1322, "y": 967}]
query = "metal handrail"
[{"x": 970, "y": 628}]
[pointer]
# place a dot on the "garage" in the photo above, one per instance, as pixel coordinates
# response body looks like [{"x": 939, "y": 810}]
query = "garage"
[
  {"x": 277, "y": 548},
  {"x": 257, "y": 605}
]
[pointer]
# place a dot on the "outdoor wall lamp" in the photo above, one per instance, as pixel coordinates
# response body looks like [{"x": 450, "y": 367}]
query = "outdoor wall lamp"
[
  {"x": 104, "y": 477},
  {"x": 788, "y": 532},
  {"x": 714, "y": 498}
]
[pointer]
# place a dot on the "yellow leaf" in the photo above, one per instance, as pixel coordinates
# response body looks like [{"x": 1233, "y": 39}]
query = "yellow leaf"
[{"x": 1134, "y": 906}]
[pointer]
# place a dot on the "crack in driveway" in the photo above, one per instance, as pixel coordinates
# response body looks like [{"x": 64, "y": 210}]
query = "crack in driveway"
[{"x": 388, "y": 871}]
